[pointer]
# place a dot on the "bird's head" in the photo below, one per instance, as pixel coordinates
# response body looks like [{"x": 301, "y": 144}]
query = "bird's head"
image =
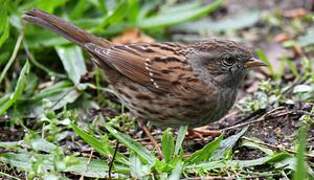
[{"x": 225, "y": 62}]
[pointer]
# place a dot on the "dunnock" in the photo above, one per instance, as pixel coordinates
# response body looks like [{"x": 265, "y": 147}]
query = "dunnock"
[{"x": 168, "y": 84}]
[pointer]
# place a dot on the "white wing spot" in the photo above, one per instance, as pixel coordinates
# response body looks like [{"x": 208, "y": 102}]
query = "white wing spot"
[
  {"x": 151, "y": 74},
  {"x": 155, "y": 84},
  {"x": 143, "y": 48},
  {"x": 127, "y": 47},
  {"x": 147, "y": 66}
]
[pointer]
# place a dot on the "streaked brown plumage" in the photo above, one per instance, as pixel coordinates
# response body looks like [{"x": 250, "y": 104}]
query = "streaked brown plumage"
[{"x": 169, "y": 84}]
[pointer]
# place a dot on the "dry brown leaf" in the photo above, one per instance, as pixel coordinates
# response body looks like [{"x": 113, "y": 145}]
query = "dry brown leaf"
[
  {"x": 281, "y": 37},
  {"x": 132, "y": 35},
  {"x": 295, "y": 13}
]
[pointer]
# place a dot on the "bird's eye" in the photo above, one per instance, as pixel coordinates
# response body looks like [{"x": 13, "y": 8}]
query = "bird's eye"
[{"x": 228, "y": 61}]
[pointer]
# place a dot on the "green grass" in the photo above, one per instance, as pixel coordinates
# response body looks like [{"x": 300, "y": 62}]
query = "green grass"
[{"x": 48, "y": 89}]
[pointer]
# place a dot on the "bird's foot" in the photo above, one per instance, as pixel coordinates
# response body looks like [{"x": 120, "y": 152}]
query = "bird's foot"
[
  {"x": 151, "y": 137},
  {"x": 202, "y": 133}
]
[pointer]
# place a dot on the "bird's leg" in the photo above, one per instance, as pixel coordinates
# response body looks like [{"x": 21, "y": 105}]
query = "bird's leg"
[
  {"x": 202, "y": 132},
  {"x": 150, "y": 136}
]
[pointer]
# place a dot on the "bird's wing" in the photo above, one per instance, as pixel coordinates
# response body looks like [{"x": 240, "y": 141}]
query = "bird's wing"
[{"x": 158, "y": 67}]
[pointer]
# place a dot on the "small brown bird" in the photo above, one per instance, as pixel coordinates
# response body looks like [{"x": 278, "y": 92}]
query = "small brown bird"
[{"x": 168, "y": 84}]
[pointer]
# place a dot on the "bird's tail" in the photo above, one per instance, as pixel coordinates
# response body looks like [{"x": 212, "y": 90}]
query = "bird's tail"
[{"x": 62, "y": 27}]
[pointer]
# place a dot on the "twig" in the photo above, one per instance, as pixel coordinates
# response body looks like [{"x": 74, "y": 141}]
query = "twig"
[
  {"x": 261, "y": 118},
  {"x": 9, "y": 176},
  {"x": 113, "y": 158},
  {"x": 88, "y": 162},
  {"x": 151, "y": 138},
  {"x": 303, "y": 113},
  {"x": 13, "y": 56},
  {"x": 147, "y": 138},
  {"x": 251, "y": 115}
]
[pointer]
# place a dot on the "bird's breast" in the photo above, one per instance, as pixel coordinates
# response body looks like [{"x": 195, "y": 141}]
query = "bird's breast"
[
  {"x": 191, "y": 107},
  {"x": 225, "y": 100}
]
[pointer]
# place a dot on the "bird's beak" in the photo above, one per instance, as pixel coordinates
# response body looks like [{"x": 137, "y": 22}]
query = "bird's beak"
[{"x": 254, "y": 62}]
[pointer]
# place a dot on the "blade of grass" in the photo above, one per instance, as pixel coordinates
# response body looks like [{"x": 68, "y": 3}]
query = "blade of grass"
[
  {"x": 78, "y": 10},
  {"x": 293, "y": 68},
  {"x": 80, "y": 166},
  {"x": 167, "y": 145},
  {"x": 12, "y": 58},
  {"x": 40, "y": 144},
  {"x": 253, "y": 144},
  {"x": 132, "y": 145},
  {"x": 227, "y": 144},
  {"x": 52, "y": 90},
  {"x": 4, "y": 22},
  {"x": 235, "y": 22},
  {"x": 115, "y": 16},
  {"x": 211, "y": 165},
  {"x": 262, "y": 56},
  {"x": 205, "y": 153},
  {"x": 176, "y": 172},
  {"x": 277, "y": 157},
  {"x": 166, "y": 19},
  {"x": 10, "y": 144},
  {"x": 103, "y": 148},
  {"x": 4, "y": 98},
  {"x": 102, "y": 6},
  {"x": 137, "y": 169},
  {"x": 48, "y": 6},
  {"x": 69, "y": 95},
  {"x": 180, "y": 138},
  {"x": 146, "y": 9},
  {"x": 73, "y": 62},
  {"x": 94, "y": 168},
  {"x": 133, "y": 10},
  {"x": 20, "y": 86},
  {"x": 180, "y": 7},
  {"x": 300, "y": 171}
]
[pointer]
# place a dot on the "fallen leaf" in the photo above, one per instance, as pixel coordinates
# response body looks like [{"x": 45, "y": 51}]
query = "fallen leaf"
[
  {"x": 294, "y": 13},
  {"x": 132, "y": 35},
  {"x": 281, "y": 37}
]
